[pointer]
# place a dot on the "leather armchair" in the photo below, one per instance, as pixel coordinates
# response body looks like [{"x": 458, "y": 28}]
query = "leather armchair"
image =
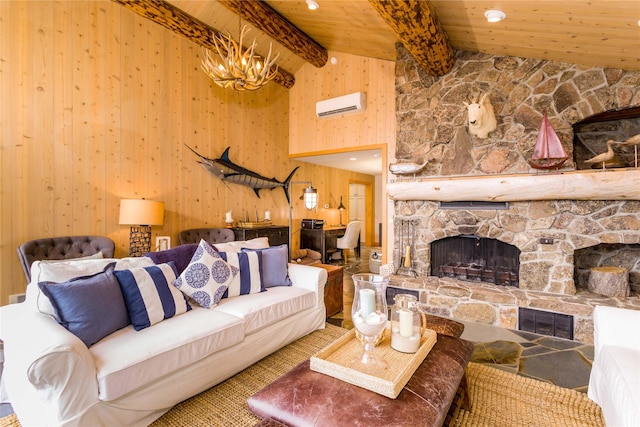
[{"x": 59, "y": 248}]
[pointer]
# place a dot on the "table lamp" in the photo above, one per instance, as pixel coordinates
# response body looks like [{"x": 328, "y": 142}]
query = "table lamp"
[
  {"x": 140, "y": 214},
  {"x": 341, "y": 208}
]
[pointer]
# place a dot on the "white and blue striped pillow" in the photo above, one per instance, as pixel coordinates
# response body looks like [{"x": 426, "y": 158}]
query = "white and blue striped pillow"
[
  {"x": 149, "y": 294},
  {"x": 249, "y": 281}
]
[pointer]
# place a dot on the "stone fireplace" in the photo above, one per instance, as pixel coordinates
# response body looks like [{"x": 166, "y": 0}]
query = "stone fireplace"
[{"x": 562, "y": 223}]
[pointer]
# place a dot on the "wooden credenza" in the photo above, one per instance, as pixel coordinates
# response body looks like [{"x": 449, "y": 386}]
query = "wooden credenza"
[{"x": 277, "y": 234}]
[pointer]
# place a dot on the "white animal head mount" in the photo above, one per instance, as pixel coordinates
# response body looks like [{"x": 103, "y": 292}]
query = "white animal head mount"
[{"x": 482, "y": 119}]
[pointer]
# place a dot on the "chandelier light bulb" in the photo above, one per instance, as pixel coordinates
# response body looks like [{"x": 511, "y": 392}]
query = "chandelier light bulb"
[{"x": 495, "y": 15}]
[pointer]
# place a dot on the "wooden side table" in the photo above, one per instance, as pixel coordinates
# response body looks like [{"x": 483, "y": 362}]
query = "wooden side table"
[{"x": 333, "y": 289}]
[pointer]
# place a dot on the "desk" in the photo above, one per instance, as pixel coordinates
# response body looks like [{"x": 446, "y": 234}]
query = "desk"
[{"x": 323, "y": 240}]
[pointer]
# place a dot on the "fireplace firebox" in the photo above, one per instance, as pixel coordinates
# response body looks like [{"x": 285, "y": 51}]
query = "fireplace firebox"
[{"x": 469, "y": 257}]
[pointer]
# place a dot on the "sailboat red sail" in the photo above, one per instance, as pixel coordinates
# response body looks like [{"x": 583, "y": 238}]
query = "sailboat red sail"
[{"x": 548, "y": 153}]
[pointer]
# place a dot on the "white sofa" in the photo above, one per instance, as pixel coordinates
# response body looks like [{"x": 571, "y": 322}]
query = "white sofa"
[
  {"x": 615, "y": 375},
  {"x": 132, "y": 377}
]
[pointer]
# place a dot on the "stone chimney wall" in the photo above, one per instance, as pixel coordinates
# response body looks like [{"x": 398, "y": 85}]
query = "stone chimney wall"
[
  {"x": 431, "y": 116},
  {"x": 432, "y": 124}
]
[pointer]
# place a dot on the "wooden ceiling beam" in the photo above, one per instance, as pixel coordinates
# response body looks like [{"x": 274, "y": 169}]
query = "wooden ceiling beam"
[
  {"x": 174, "y": 19},
  {"x": 419, "y": 30},
  {"x": 272, "y": 23}
]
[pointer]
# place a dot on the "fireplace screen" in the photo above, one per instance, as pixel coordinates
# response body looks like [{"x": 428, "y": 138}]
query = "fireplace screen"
[{"x": 469, "y": 257}]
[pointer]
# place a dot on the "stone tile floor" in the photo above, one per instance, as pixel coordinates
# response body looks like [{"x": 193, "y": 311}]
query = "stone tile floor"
[{"x": 559, "y": 361}]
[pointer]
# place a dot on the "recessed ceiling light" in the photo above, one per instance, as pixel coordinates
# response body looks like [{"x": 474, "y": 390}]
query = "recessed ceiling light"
[
  {"x": 495, "y": 15},
  {"x": 312, "y": 5},
  {"x": 353, "y": 158}
]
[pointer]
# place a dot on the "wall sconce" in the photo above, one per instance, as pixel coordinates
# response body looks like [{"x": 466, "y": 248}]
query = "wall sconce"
[
  {"x": 341, "y": 208},
  {"x": 310, "y": 197},
  {"x": 140, "y": 214}
]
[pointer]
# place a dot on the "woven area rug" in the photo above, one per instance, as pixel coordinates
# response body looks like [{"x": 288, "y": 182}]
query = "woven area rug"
[{"x": 498, "y": 398}]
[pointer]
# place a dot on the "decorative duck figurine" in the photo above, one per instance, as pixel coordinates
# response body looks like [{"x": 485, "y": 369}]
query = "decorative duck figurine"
[
  {"x": 603, "y": 157},
  {"x": 635, "y": 141},
  {"x": 406, "y": 168}
]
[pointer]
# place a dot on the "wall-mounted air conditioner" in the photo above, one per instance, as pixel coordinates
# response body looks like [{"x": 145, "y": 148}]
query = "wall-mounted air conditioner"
[{"x": 341, "y": 105}]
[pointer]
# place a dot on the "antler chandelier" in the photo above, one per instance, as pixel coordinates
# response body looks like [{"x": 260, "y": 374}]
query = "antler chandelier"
[{"x": 235, "y": 69}]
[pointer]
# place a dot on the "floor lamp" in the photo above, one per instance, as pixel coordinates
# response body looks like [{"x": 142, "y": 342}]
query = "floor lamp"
[
  {"x": 310, "y": 196},
  {"x": 140, "y": 214}
]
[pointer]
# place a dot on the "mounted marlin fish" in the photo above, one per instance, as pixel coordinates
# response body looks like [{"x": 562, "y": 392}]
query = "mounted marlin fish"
[{"x": 227, "y": 171}]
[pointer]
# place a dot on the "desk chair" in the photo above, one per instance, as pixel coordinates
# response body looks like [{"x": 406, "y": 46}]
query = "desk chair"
[{"x": 350, "y": 239}]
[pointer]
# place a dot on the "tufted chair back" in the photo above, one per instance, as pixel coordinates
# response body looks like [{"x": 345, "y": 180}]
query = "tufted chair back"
[
  {"x": 210, "y": 235},
  {"x": 66, "y": 247}
]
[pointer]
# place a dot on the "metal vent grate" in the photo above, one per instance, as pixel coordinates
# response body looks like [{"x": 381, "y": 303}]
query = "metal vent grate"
[{"x": 545, "y": 323}]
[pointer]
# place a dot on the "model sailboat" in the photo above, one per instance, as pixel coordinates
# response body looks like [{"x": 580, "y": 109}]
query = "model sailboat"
[{"x": 548, "y": 153}]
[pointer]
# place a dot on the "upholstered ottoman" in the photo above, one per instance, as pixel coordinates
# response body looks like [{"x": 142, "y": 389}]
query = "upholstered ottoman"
[{"x": 303, "y": 397}]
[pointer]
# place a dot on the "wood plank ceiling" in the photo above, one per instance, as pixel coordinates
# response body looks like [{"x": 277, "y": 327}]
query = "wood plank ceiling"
[{"x": 593, "y": 33}]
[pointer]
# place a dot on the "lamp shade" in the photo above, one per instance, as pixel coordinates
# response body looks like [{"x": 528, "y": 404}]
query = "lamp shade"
[
  {"x": 341, "y": 206},
  {"x": 141, "y": 212}
]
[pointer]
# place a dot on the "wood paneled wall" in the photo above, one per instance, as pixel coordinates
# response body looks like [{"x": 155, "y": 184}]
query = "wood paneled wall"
[
  {"x": 97, "y": 105},
  {"x": 373, "y": 128},
  {"x": 349, "y": 74}
]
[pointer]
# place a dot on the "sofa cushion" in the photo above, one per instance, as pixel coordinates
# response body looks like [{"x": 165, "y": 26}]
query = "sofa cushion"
[
  {"x": 257, "y": 243},
  {"x": 90, "y": 307},
  {"x": 249, "y": 280},
  {"x": 150, "y": 295},
  {"x": 207, "y": 277},
  {"x": 616, "y": 383},
  {"x": 127, "y": 360},
  {"x": 275, "y": 271},
  {"x": 61, "y": 271},
  {"x": 180, "y": 255},
  {"x": 263, "y": 309}
]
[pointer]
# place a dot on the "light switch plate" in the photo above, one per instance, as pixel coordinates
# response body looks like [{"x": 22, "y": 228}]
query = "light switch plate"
[{"x": 163, "y": 243}]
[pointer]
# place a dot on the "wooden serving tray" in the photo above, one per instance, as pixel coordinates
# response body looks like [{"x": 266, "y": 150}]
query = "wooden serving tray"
[{"x": 335, "y": 360}]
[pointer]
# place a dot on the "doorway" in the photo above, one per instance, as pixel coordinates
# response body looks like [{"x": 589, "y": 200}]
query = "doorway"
[{"x": 360, "y": 209}]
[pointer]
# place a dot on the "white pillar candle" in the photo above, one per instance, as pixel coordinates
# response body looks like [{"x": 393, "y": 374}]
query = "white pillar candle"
[
  {"x": 406, "y": 323},
  {"x": 228, "y": 217},
  {"x": 367, "y": 302}
]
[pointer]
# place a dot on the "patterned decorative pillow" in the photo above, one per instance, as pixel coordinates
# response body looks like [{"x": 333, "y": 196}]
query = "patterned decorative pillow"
[
  {"x": 149, "y": 295},
  {"x": 275, "y": 265},
  {"x": 90, "y": 307},
  {"x": 249, "y": 281},
  {"x": 207, "y": 276}
]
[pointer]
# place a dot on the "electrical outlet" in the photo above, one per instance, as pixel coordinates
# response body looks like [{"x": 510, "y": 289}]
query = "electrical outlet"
[
  {"x": 163, "y": 243},
  {"x": 16, "y": 298},
  {"x": 546, "y": 241}
]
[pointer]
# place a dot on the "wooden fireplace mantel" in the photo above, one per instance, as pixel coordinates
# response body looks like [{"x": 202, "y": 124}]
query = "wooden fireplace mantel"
[{"x": 612, "y": 184}]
